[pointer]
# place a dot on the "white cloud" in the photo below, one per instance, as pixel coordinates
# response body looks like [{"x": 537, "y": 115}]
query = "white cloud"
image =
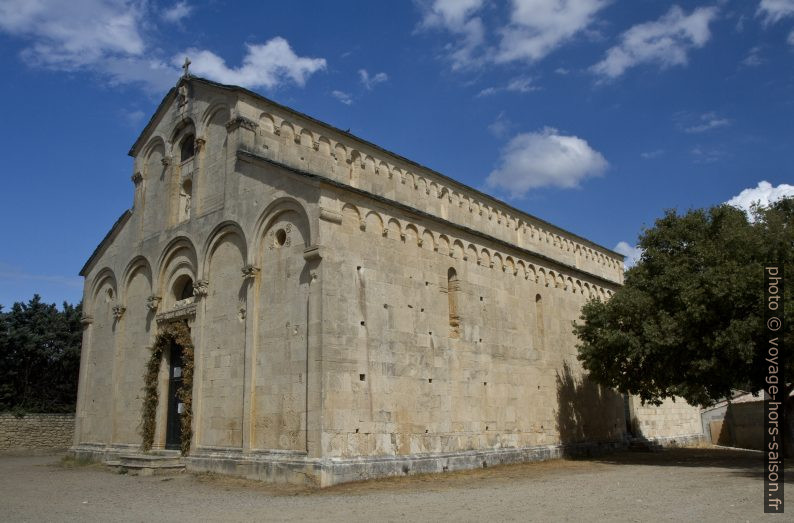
[
  {"x": 763, "y": 195},
  {"x": 753, "y": 57},
  {"x": 537, "y": 27},
  {"x": 451, "y": 14},
  {"x": 500, "y": 126},
  {"x": 177, "y": 12},
  {"x": 264, "y": 65},
  {"x": 114, "y": 39},
  {"x": 775, "y": 10},
  {"x": 650, "y": 155},
  {"x": 456, "y": 16},
  {"x": 665, "y": 41},
  {"x": 631, "y": 252},
  {"x": 790, "y": 38},
  {"x": 343, "y": 97},
  {"x": 545, "y": 159},
  {"x": 74, "y": 36},
  {"x": 707, "y": 154},
  {"x": 704, "y": 122},
  {"x": 371, "y": 81},
  {"x": 520, "y": 84}
]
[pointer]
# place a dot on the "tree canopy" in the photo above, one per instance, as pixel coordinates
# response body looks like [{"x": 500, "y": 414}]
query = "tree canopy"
[
  {"x": 689, "y": 320},
  {"x": 39, "y": 356}
]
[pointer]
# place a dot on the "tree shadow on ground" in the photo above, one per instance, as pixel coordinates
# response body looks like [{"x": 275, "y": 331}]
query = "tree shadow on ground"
[
  {"x": 587, "y": 412},
  {"x": 743, "y": 462}
]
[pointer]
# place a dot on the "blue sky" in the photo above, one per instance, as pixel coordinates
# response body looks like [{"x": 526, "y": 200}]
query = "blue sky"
[{"x": 596, "y": 115}]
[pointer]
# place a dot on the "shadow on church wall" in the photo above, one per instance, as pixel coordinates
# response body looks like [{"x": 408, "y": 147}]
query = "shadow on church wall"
[{"x": 587, "y": 412}]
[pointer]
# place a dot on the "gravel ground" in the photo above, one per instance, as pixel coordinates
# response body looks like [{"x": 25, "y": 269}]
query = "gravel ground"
[{"x": 697, "y": 484}]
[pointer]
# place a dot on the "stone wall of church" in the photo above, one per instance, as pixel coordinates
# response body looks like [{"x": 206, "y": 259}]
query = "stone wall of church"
[
  {"x": 438, "y": 329},
  {"x": 671, "y": 419},
  {"x": 439, "y": 341}
]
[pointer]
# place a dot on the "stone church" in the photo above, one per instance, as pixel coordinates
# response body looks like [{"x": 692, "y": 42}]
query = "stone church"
[{"x": 345, "y": 313}]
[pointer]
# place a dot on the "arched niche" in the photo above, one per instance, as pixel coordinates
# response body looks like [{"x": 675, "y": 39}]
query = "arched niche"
[
  {"x": 223, "y": 357},
  {"x": 281, "y": 361},
  {"x": 177, "y": 273},
  {"x": 133, "y": 353},
  {"x": 97, "y": 402}
]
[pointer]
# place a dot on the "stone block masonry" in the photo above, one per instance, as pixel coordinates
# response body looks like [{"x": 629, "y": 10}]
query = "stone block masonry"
[{"x": 35, "y": 432}]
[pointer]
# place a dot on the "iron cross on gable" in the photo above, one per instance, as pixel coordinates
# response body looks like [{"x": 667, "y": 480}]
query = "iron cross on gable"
[{"x": 185, "y": 67}]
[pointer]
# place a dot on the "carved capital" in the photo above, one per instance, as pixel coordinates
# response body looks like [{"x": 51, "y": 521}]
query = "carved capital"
[
  {"x": 137, "y": 178},
  {"x": 153, "y": 302},
  {"x": 249, "y": 272},
  {"x": 200, "y": 143},
  {"x": 201, "y": 288},
  {"x": 316, "y": 146},
  {"x": 118, "y": 311},
  {"x": 330, "y": 215},
  {"x": 166, "y": 161},
  {"x": 312, "y": 253},
  {"x": 241, "y": 121}
]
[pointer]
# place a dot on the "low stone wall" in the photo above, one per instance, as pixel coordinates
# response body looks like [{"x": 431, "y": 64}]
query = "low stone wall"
[{"x": 35, "y": 432}]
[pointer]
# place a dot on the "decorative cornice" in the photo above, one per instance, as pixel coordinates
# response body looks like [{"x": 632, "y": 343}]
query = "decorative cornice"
[
  {"x": 137, "y": 178},
  {"x": 188, "y": 311},
  {"x": 153, "y": 302},
  {"x": 118, "y": 311},
  {"x": 201, "y": 288},
  {"x": 326, "y": 214},
  {"x": 249, "y": 272},
  {"x": 330, "y": 216},
  {"x": 241, "y": 121}
]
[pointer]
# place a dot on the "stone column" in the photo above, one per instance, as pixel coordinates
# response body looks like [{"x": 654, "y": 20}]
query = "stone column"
[
  {"x": 118, "y": 334},
  {"x": 314, "y": 356},
  {"x": 250, "y": 275}
]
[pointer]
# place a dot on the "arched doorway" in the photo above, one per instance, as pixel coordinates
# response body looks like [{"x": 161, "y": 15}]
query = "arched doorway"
[
  {"x": 174, "y": 344},
  {"x": 176, "y": 408}
]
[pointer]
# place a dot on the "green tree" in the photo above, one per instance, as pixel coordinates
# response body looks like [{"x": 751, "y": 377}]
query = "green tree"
[
  {"x": 689, "y": 320},
  {"x": 39, "y": 356}
]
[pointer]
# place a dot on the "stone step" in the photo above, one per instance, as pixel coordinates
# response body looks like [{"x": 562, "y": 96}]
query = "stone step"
[{"x": 148, "y": 464}]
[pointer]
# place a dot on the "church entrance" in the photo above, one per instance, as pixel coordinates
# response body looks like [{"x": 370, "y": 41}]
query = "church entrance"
[{"x": 173, "y": 429}]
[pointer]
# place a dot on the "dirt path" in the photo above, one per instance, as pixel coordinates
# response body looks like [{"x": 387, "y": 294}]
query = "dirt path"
[{"x": 675, "y": 485}]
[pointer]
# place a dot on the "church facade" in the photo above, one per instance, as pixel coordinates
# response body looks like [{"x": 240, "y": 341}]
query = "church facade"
[{"x": 350, "y": 313}]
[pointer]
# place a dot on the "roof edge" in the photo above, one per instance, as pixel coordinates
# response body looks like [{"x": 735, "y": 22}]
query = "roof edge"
[{"x": 105, "y": 242}]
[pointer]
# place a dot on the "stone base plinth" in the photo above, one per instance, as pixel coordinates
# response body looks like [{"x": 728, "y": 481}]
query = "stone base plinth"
[{"x": 299, "y": 469}]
